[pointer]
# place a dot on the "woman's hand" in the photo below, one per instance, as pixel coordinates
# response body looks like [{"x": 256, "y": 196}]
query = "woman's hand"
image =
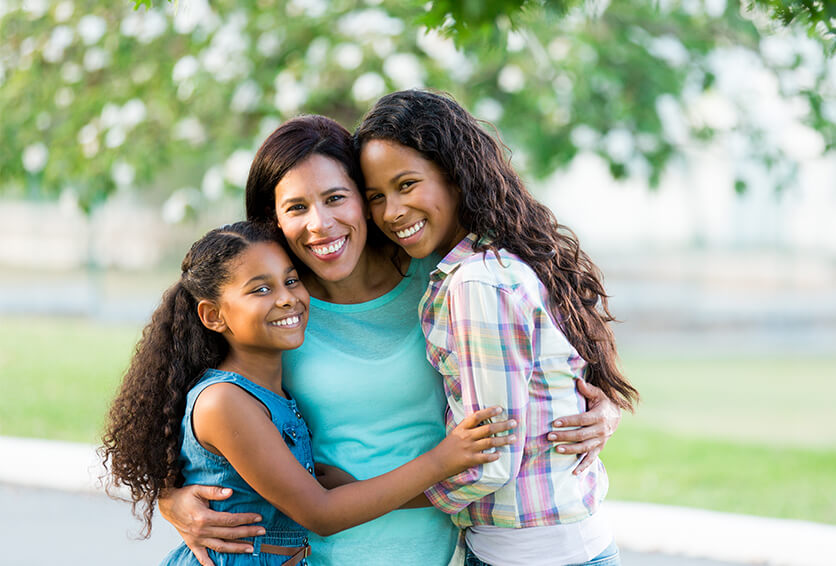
[
  {"x": 330, "y": 477},
  {"x": 188, "y": 510},
  {"x": 593, "y": 428},
  {"x": 465, "y": 445}
]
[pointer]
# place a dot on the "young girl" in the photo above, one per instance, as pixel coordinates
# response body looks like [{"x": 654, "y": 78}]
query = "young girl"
[
  {"x": 203, "y": 398},
  {"x": 510, "y": 316}
]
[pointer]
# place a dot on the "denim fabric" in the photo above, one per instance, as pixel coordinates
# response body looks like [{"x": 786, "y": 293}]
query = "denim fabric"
[
  {"x": 609, "y": 557},
  {"x": 203, "y": 467}
]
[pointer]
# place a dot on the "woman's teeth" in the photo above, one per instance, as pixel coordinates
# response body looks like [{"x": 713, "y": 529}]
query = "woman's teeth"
[
  {"x": 411, "y": 230},
  {"x": 333, "y": 247},
  {"x": 289, "y": 321}
]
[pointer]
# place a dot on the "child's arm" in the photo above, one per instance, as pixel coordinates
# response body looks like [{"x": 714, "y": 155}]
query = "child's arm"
[{"x": 231, "y": 422}]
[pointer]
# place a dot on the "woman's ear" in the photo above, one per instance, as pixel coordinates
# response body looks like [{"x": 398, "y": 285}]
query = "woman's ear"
[{"x": 210, "y": 316}]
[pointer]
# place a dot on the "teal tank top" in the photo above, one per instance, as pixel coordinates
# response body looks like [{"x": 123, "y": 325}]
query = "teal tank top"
[{"x": 373, "y": 402}]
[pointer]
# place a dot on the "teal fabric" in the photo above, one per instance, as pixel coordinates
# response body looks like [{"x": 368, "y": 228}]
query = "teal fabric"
[{"x": 373, "y": 402}]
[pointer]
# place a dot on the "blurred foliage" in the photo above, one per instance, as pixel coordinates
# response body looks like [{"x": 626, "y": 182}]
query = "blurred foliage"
[{"x": 99, "y": 97}]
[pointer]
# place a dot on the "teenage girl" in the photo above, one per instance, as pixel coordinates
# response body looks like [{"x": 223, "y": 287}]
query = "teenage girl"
[
  {"x": 514, "y": 313},
  {"x": 203, "y": 397}
]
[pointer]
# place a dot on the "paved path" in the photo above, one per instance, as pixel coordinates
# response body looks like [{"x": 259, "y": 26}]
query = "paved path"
[
  {"x": 45, "y": 527},
  {"x": 53, "y": 512}
]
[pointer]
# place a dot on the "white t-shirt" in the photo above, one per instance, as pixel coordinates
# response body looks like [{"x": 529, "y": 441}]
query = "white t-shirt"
[{"x": 552, "y": 545}]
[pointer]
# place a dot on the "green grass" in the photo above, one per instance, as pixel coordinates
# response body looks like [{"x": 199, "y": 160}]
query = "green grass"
[
  {"x": 748, "y": 435},
  {"x": 57, "y": 376}
]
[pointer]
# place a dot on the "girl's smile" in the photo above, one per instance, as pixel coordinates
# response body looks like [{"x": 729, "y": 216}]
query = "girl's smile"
[{"x": 410, "y": 199}]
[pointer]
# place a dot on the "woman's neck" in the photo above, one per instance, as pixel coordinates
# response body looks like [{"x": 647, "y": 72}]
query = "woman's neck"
[
  {"x": 374, "y": 276},
  {"x": 263, "y": 368}
]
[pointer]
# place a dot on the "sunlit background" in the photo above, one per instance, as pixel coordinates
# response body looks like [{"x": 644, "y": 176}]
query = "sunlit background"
[{"x": 690, "y": 145}]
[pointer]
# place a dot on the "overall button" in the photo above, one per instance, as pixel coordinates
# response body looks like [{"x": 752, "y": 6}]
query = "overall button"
[
  {"x": 293, "y": 433},
  {"x": 310, "y": 469},
  {"x": 298, "y": 415}
]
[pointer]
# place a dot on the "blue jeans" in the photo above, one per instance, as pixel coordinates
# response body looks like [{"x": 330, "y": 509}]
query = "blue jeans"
[{"x": 609, "y": 557}]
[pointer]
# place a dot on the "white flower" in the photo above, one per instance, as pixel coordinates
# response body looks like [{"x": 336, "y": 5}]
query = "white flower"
[
  {"x": 290, "y": 94},
  {"x": 184, "y": 68},
  {"x": 268, "y": 44},
  {"x": 60, "y": 38},
  {"x": 64, "y": 11},
  {"x": 71, "y": 72},
  {"x": 511, "y": 78},
  {"x": 91, "y": 29},
  {"x": 111, "y": 115},
  {"x": 176, "y": 206},
  {"x": 405, "y": 70},
  {"x": 317, "y": 52},
  {"x": 237, "y": 167},
  {"x": 715, "y": 8},
  {"x": 35, "y": 157},
  {"x": 309, "y": 8},
  {"x": 363, "y": 24},
  {"x": 43, "y": 121},
  {"x": 348, "y": 55},
  {"x": 191, "y": 130},
  {"x": 96, "y": 59},
  {"x": 669, "y": 49},
  {"x": 516, "y": 41},
  {"x": 35, "y": 8},
  {"x": 190, "y": 15},
  {"x": 133, "y": 112},
  {"x": 619, "y": 145},
  {"x": 122, "y": 173},
  {"x": 115, "y": 136},
  {"x": 584, "y": 137},
  {"x": 368, "y": 86},
  {"x": 488, "y": 109},
  {"x": 443, "y": 51},
  {"x": 88, "y": 134},
  {"x": 64, "y": 97},
  {"x": 213, "y": 183},
  {"x": 246, "y": 97}
]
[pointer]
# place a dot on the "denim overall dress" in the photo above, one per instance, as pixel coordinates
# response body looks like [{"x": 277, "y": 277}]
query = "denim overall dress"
[{"x": 203, "y": 467}]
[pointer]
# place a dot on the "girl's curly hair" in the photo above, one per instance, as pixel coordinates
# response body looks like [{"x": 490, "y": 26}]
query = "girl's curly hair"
[
  {"x": 495, "y": 203},
  {"x": 141, "y": 441}
]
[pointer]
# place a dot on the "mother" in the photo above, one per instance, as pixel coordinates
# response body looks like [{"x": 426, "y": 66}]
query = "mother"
[{"x": 361, "y": 378}]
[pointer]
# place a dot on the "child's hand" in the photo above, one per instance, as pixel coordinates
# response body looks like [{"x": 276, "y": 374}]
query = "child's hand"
[{"x": 465, "y": 446}]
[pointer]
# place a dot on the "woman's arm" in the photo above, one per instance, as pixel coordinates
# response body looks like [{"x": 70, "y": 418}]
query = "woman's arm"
[
  {"x": 230, "y": 421},
  {"x": 595, "y": 426}
]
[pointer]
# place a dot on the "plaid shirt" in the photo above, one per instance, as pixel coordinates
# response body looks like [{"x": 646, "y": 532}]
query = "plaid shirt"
[{"x": 492, "y": 337}]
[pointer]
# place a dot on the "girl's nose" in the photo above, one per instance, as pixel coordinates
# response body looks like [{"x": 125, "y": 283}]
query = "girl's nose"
[
  {"x": 286, "y": 299},
  {"x": 393, "y": 211}
]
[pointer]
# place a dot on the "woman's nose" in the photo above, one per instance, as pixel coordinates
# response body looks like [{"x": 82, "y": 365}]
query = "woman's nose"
[{"x": 319, "y": 219}]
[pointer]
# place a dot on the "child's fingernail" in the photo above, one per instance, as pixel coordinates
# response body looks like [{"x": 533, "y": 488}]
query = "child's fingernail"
[
  {"x": 497, "y": 410},
  {"x": 258, "y": 519},
  {"x": 558, "y": 423},
  {"x": 261, "y": 531},
  {"x": 512, "y": 438},
  {"x": 561, "y": 449},
  {"x": 226, "y": 491},
  {"x": 552, "y": 437},
  {"x": 512, "y": 423}
]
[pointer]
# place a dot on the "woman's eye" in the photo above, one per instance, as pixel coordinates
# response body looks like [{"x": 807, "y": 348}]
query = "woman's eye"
[
  {"x": 334, "y": 198},
  {"x": 295, "y": 207}
]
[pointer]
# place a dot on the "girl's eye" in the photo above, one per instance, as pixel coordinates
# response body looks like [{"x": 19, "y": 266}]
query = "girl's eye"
[
  {"x": 406, "y": 184},
  {"x": 334, "y": 198},
  {"x": 263, "y": 290},
  {"x": 374, "y": 196},
  {"x": 291, "y": 282}
]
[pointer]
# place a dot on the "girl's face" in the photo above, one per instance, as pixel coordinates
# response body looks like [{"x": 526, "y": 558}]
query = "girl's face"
[
  {"x": 410, "y": 199},
  {"x": 264, "y": 305},
  {"x": 323, "y": 217}
]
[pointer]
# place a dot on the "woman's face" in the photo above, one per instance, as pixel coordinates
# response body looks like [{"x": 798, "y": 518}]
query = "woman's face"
[
  {"x": 322, "y": 215},
  {"x": 410, "y": 199}
]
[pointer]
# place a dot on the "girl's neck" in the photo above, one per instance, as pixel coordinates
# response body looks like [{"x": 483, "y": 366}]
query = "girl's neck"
[
  {"x": 374, "y": 276},
  {"x": 262, "y": 368}
]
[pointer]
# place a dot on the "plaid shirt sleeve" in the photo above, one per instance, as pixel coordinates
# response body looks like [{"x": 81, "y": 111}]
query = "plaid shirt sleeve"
[{"x": 490, "y": 331}]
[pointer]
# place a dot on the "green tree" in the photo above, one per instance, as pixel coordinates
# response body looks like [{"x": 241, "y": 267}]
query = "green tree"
[{"x": 98, "y": 96}]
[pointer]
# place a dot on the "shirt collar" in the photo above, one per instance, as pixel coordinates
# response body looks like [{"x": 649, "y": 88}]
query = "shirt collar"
[{"x": 458, "y": 254}]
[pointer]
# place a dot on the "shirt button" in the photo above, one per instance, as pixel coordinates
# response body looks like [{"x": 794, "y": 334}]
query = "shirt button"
[
  {"x": 310, "y": 469},
  {"x": 298, "y": 415},
  {"x": 293, "y": 433}
]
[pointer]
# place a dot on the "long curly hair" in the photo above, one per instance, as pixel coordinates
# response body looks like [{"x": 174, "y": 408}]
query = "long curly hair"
[
  {"x": 495, "y": 204},
  {"x": 141, "y": 440}
]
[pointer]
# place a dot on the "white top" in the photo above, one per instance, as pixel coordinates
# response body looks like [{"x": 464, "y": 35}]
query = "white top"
[{"x": 552, "y": 545}]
